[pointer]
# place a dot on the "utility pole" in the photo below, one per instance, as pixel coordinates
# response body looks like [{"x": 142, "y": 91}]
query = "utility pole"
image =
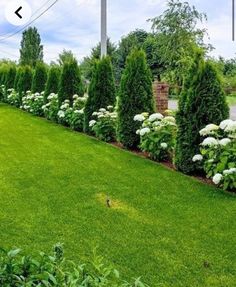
[{"x": 103, "y": 28}]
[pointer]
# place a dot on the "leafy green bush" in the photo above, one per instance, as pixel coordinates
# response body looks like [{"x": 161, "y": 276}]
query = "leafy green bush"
[
  {"x": 25, "y": 81},
  {"x": 202, "y": 102},
  {"x": 51, "y": 108},
  {"x": 39, "y": 78},
  {"x": 10, "y": 77},
  {"x": 13, "y": 98},
  {"x": 104, "y": 126},
  {"x": 102, "y": 91},
  {"x": 17, "y": 77},
  {"x": 53, "y": 270},
  {"x": 157, "y": 135},
  {"x": 52, "y": 85},
  {"x": 73, "y": 117},
  {"x": 135, "y": 96},
  {"x": 33, "y": 103},
  {"x": 218, "y": 153},
  {"x": 70, "y": 82}
]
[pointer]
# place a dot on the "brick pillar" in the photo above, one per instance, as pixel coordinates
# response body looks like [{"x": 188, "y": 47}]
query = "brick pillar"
[{"x": 161, "y": 94}]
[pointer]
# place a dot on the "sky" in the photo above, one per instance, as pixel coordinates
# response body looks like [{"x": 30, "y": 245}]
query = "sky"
[{"x": 75, "y": 24}]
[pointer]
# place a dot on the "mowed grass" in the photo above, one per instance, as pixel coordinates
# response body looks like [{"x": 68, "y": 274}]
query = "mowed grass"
[{"x": 166, "y": 227}]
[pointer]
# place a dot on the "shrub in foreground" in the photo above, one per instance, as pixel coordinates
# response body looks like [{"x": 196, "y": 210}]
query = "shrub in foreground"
[
  {"x": 53, "y": 270},
  {"x": 102, "y": 92},
  {"x": 135, "y": 96},
  {"x": 157, "y": 135},
  {"x": 33, "y": 103},
  {"x": 51, "y": 108},
  {"x": 73, "y": 117},
  {"x": 202, "y": 102},
  {"x": 104, "y": 124},
  {"x": 218, "y": 154}
]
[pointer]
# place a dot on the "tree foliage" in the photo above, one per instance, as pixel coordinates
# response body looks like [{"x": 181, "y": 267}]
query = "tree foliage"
[
  {"x": 135, "y": 97},
  {"x": 31, "y": 50},
  {"x": 39, "y": 78},
  {"x": 52, "y": 84},
  {"x": 202, "y": 102},
  {"x": 70, "y": 82},
  {"x": 102, "y": 92},
  {"x": 178, "y": 35},
  {"x": 25, "y": 81},
  {"x": 66, "y": 56}
]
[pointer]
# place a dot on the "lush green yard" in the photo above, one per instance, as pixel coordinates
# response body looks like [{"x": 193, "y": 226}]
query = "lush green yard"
[{"x": 169, "y": 228}]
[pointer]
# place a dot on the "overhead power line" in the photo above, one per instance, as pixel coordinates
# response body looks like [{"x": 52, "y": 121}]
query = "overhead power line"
[{"x": 31, "y": 22}]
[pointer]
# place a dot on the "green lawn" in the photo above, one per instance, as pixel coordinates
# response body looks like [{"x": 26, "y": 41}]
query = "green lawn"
[{"x": 164, "y": 226}]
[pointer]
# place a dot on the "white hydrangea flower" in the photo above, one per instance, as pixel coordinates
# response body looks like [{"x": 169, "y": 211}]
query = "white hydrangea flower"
[
  {"x": 144, "y": 131},
  {"x": 210, "y": 141},
  {"x": 109, "y": 107},
  {"x": 212, "y": 127},
  {"x": 217, "y": 178},
  {"x": 92, "y": 123},
  {"x": 170, "y": 119},
  {"x": 95, "y": 114},
  {"x": 224, "y": 124},
  {"x": 164, "y": 145},
  {"x": 231, "y": 127},
  {"x": 102, "y": 110},
  {"x": 229, "y": 171},
  {"x": 139, "y": 118},
  {"x": 197, "y": 157},
  {"x": 225, "y": 142},
  {"x": 138, "y": 132},
  {"x": 204, "y": 132},
  {"x": 61, "y": 114},
  {"x": 155, "y": 117},
  {"x": 75, "y": 97}
]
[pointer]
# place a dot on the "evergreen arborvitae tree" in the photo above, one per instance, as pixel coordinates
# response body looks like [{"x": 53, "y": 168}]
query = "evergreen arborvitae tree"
[
  {"x": 25, "y": 81},
  {"x": 70, "y": 82},
  {"x": 135, "y": 97},
  {"x": 52, "y": 84},
  {"x": 19, "y": 71},
  {"x": 202, "y": 102},
  {"x": 31, "y": 50},
  {"x": 39, "y": 78},
  {"x": 10, "y": 77},
  {"x": 102, "y": 91}
]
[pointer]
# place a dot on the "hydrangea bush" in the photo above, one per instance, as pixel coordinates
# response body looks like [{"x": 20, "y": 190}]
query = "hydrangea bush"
[
  {"x": 51, "y": 108},
  {"x": 157, "y": 135},
  {"x": 33, "y": 103},
  {"x": 104, "y": 124},
  {"x": 73, "y": 117},
  {"x": 218, "y": 153},
  {"x": 13, "y": 98}
]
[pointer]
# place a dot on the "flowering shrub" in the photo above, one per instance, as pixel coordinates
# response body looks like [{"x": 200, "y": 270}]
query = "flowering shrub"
[
  {"x": 13, "y": 98},
  {"x": 73, "y": 117},
  {"x": 33, "y": 103},
  {"x": 157, "y": 135},
  {"x": 104, "y": 124},
  {"x": 218, "y": 153},
  {"x": 51, "y": 108}
]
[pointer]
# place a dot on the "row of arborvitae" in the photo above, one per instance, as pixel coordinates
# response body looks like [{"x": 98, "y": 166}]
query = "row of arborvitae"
[
  {"x": 53, "y": 270},
  {"x": 116, "y": 116}
]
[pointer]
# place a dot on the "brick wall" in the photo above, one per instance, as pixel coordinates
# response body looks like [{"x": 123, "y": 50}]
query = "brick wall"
[{"x": 161, "y": 94}]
